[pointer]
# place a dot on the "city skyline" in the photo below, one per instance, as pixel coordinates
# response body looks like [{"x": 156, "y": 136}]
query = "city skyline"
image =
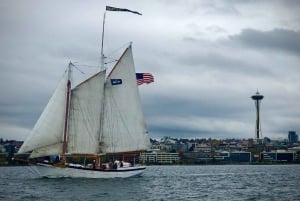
[{"x": 208, "y": 58}]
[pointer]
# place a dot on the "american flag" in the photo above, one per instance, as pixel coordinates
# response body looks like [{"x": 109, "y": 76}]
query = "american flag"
[{"x": 142, "y": 78}]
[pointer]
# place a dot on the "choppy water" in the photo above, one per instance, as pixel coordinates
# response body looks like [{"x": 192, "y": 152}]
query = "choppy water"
[{"x": 228, "y": 182}]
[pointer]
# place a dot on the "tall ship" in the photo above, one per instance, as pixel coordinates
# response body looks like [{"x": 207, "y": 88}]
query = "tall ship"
[{"x": 95, "y": 129}]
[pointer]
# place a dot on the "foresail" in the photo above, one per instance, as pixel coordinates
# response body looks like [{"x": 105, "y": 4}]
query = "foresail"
[
  {"x": 84, "y": 120},
  {"x": 50, "y": 150},
  {"x": 47, "y": 132},
  {"x": 124, "y": 127}
]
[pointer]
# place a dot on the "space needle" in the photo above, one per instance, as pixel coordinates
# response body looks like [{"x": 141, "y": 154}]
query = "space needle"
[{"x": 257, "y": 99}]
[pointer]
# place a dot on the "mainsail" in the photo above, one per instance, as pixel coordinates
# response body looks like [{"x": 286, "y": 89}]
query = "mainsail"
[
  {"x": 46, "y": 136},
  {"x": 124, "y": 127},
  {"x": 84, "y": 120}
]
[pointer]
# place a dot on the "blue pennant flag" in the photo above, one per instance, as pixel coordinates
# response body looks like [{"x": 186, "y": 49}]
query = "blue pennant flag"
[{"x": 116, "y": 81}]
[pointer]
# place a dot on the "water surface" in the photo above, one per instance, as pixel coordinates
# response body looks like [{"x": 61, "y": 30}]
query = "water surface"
[{"x": 221, "y": 182}]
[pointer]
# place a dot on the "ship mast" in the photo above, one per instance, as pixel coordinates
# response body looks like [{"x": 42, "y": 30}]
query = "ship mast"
[
  {"x": 102, "y": 39},
  {"x": 109, "y": 8},
  {"x": 64, "y": 145},
  {"x": 102, "y": 68}
]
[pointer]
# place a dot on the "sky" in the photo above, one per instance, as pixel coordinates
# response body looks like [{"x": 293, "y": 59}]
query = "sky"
[{"x": 208, "y": 58}]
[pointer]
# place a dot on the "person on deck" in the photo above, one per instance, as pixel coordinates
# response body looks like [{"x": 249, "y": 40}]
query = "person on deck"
[
  {"x": 110, "y": 164},
  {"x": 94, "y": 164},
  {"x": 115, "y": 166}
]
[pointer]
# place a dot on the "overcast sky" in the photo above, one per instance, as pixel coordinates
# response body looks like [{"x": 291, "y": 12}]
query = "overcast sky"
[{"x": 208, "y": 58}]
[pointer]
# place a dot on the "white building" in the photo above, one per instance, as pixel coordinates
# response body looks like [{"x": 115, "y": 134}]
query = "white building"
[{"x": 159, "y": 157}]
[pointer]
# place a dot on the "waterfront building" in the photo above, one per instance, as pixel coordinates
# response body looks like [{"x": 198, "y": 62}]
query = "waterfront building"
[
  {"x": 159, "y": 157},
  {"x": 240, "y": 157},
  {"x": 3, "y": 155},
  {"x": 279, "y": 155},
  {"x": 233, "y": 156},
  {"x": 3, "y": 158},
  {"x": 293, "y": 137},
  {"x": 203, "y": 147},
  {"x": 180, "y": 147}
]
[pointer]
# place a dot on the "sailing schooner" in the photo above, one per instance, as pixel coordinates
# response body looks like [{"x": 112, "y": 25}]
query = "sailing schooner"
[{"x": 99, "y": 119}]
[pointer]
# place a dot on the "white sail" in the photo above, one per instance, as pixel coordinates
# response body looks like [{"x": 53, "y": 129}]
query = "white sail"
[
  {"x": 50, "y": 150},
  {"x": 46, "y": 136},
  {"x": 124, "y": 127},
  {"x": 103, "y": 118},
  {"x": 84, "y": 120}
]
